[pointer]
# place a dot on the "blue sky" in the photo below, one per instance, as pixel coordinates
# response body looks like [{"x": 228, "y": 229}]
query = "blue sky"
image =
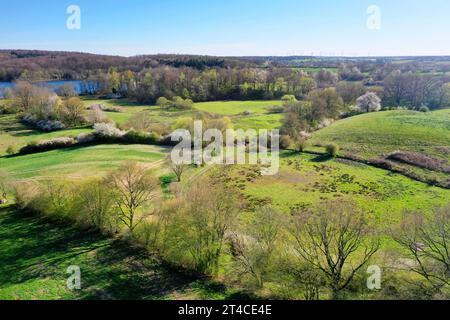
[{"x": 229, "y": 27}]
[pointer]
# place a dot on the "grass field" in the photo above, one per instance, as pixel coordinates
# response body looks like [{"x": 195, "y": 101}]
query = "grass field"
[
  {"x": 80, "y": 162},
  {"x": 257, "y": 117},
  {"x": 35, "y": 254},
  {"x": 375, "y": 134},
  {"x": 232, "y": 108},
  {"x": 306, "y": 179},
  {"x": 13, "y": 133}
]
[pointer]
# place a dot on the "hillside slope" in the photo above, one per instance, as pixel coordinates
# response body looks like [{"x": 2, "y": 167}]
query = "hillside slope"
[{"x": 417, "y": 138}]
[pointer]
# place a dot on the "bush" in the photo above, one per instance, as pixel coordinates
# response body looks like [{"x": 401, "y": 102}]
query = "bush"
[
  {"x": 73, "y": 112},
  {"x": 140, "y": 137},
  {"x": 285, "y": 142},
  {"x": 25, "y": 194},
  {"x": 164, "y": 103},
  {"x": 107, "y": 130},
  {"x": 47, "y": 145},
  {"x": 6, "y": 109},
  {"x": 104, "y": 108},
  {"x": 420, "y": 160},
  {"x": 85, "y": 138},
  {"x": 301, "y": 144},
  {"x": 43, "y": 125},
  {"x": 424, "y": 109},
  {"x": 332, "y": 149},
  {"x": 98, "y": 116},
  {"x": 183, "y": 104},
  {"x": 288, "y": 98}
]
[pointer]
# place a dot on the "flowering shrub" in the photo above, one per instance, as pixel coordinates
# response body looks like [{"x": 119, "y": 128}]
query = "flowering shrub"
[
  {"x": 43, "y": 125},
  {"x": 107, "y": 130},
  {"x": 85, "y": 138},
  {"x": 104, "y": 108},
  {"x": 47, "y": 145}
]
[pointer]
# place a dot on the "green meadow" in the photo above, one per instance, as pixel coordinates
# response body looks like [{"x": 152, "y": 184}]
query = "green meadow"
[
  {"x": 305, "y": 180},
  {"x": 36, "y": 252},
  {"x": 375, "y": 134},
  {"x": 80, "y": 162},
  {"x": 243, "y": 114}
]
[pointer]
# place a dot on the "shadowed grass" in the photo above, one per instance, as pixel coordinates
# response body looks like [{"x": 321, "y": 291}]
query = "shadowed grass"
[{"x": 35, "y": 254}]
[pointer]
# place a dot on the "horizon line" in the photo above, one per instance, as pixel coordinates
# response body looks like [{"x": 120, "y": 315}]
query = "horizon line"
[{"x": 238, "y": 56}]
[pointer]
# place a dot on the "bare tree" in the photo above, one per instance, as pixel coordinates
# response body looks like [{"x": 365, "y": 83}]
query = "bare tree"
[
  {"x": 350, "y": 91},
  {"x": 66, "y": 90},
  {"x": 178, "y": 169},
  {"x": 253, "y": 252},
  {"x": 427, "y": 241},
  {"x": 23, "y": 94},
  {"x": 210, "y": 211},
  {"x": 133, "y": 187},
  {"x": 333, "y": 237}
]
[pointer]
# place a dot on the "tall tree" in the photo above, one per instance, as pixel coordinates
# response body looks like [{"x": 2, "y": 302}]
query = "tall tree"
[
  {"x": 334, "y": 238},
  {"x": 133, "y": 187}
]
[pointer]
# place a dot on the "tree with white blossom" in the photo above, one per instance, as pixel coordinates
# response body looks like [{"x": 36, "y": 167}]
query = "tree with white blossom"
[{"x": 369, "y": 102}]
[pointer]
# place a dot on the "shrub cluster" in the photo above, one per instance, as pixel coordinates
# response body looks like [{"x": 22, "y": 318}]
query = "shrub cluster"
[
  {"x": 47, "y": 145},
  {"x": 105, "y": 108},
  {"x": 43, "y": 125},
  {"x": 176, "y": 102},
  {"x": 420, "y": 160}
]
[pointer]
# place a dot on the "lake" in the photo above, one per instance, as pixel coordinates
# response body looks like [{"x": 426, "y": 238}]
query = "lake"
[{"x": 80, "y": 86}]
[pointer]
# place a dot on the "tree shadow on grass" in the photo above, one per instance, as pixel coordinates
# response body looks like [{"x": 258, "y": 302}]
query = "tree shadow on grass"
[
  {"x": 34, "y": 248},
  {"x": 322, "y": 158}
]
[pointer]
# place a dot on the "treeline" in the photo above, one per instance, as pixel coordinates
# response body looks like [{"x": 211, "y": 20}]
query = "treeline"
[
  {"x": 325, "y": 251},
  {"x": 35, "y": 65},
  {"x": 411, "y": 83}
]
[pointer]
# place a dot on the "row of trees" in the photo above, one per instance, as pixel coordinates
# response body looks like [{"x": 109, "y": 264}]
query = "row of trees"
[
  {"x": 413, "y": 90},
  {"x": 317, "y": 252},
  {"x": 411, "y": 83},
  {"x": 121, "y": 200}
]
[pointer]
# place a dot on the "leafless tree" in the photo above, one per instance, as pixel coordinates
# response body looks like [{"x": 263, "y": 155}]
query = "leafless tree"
[
  {"x": 66, "y": 90},
  {"x": 210, "y": 211},
  {"x": 133, "y": 187},
  {"x": 254, "y": 250},
  {"x": 333, "y": 237},
  {"x": 177, "y": 168},
  {"x": 427, "y": 241}
]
